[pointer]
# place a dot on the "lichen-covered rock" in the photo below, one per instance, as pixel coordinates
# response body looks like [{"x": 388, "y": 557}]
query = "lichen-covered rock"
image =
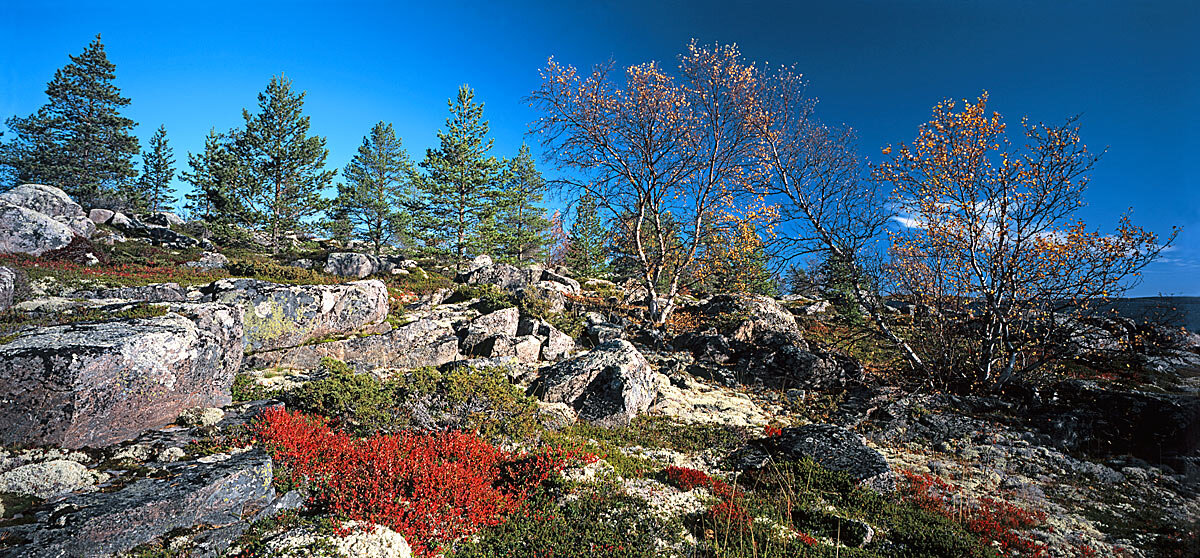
[
  {"x": 280, "y": 316},
  {"x": 159, "y": 235},
  {"x": 608, "y": 386},
  {"x": 8, "y": 287},
  {"x": 413, "y": 345},
  {"x": 750, "y": 318},
  {"x": 54, "y": 203},
  {"x": 349, "y": 264},
  {"x": 48, "y": 479},
  {"x": 836, "y": 449},
  {"x": 216, "y": 492},
  {"x": 486, "y": 327},
  {"x": 28, "y": 232},
  {"x": 93, "y": 384},
  {"x": 599, "y": 330},
  {"x": 209, "y": 261},
  {"x": 363, "y": 541},
  {"x": 556, "y": 345}
]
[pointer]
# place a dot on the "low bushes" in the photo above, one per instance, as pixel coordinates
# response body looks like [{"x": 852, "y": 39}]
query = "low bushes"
[
  {"x": 267, "y": 270},
  {"x": 434, "y": 488}
]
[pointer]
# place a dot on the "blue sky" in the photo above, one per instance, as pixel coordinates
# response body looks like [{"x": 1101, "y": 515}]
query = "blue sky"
[{"x": 1129, "y": 68}]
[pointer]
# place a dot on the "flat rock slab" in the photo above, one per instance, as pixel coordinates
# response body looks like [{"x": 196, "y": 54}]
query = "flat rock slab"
[
  {"x": 218, "y": 492},
  {"x": 281, "y": 316},
  {"x": 420, "y": 343},
  {"x": 98, "y": 383}
]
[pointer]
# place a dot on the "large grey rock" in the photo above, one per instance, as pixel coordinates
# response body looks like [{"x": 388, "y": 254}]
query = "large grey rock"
[
  {"x": 556, "y": 345},
  {"x": 598, "y": 330},
  {"x": 28, "y": 232},
  {"x": 101, "y": 216},
  {"x": 750, "y": 318},
  {"x": 158, "y": 235},
  {"x": 48, "y": 479},
  {"x": 349, "y": 264},
  {"x": 8, "y": 286},
  {"x": 209, "y": 261},
  {"x": 280, "y": 316},
  {"x": 486, "y": 327},
  {"x": 54, "y": 203},
  {"x": 94, "y": 384},
  {"x": 216, "y": 493},
  {"x": 413, "y": 345},
  {"x": 608, "y": 386},
  {"x": 502, "y": 275},
  {"x": 162, "y": 219},
  {"x": 836, "y": 449}
]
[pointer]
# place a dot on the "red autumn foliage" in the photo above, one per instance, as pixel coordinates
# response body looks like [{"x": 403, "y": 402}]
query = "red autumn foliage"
[
  {"x": 730, "y": 515},
  {"x": 994, "y": 521},
  {"x": 772, "y": 431},
  {"x": 433, "y": 488}
]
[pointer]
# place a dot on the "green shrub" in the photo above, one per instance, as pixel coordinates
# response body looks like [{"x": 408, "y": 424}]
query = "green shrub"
[
  {"x": 359, "y": 402},
  {"x": 421, "y": 282},
  {"x": 598, "y": 521},
  {"x": 276, "y": 273},
  {"x": 491, "y": 298},
  {"x": 244, "y": 388}
]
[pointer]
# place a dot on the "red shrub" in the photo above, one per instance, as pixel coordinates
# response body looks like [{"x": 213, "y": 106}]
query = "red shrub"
[
  {"x": 772, "y": 431},
  {"x": 730, "y": 515},
  {"x": 687, "y": 479},
  {"x": 994, "y": 521},
  {"x": 431, "y": 488},
  {"x": 806, "y": 538}
]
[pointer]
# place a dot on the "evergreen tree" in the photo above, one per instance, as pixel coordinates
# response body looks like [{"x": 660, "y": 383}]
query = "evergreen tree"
[
  {"x": 158, "y": 169},
  {"x": 586, "y": 254},
  {"x": 520, "y": 223},
  {"x": 838, "y": 278},
  {"x": 458, "y": 190},
  {"x": 379, "y": 182},
  {"x": 282, "y": 167},
  {"x": 215, "y": 176},
  {"x": 78, "y": 141}
]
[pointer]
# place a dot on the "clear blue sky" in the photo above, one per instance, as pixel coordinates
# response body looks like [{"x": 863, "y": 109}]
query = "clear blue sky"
[{"x": 1131, "y": 69}]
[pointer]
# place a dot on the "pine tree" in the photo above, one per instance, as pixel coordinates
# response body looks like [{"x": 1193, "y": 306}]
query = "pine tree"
[
  {"x": 379, "y": 182},
  {"x": 520, "y": 223},
  {"x": 78, "y": 141},
  {"x": 215, "y": 176},
  {"x": 158, "y": 169},
  {"x": 461, "y": 176},
  {"x": 282, "y": 167},
  {"x": 586, "y": 253}
]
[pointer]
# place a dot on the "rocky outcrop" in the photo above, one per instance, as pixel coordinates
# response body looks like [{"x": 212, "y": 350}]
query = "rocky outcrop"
[
  {"x": 358, "y": 266},
  {"x": 91, "y": 384},
  {"x": 209, "y": 261},
  {"x": 598, "y": 330},
  {"x": 479, "y": 336},
  {"x": 216, "y": 492},
  {"x": 281, "y": 316},
  {"x": 159, "y": 235},
  {"x": 413, "y": 345},
  {"x": 555, "y": 345},
  {"x": 836, "y": 449},
  {"x": 28, "y": 232},
  {"x": 754, "y": 339},
  {"x": 608, "y": 386},
  {"x": 54, "y": 203},
  {"x": 483, "y": 272}
]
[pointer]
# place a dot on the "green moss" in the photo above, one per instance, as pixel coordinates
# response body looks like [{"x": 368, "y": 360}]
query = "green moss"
[
  {"x": 491, "y": 298},
  {"x": 273, "y": 325}
]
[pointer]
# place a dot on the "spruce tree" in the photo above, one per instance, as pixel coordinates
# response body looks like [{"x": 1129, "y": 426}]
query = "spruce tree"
[
  {"x": 282, "y": 167},
  {"x": 519, "y": 221},
  {"x": 461, "y": 178},
  {"x": 158, "y": 169},
  {"x": 78, "y": 141},
  {"x": 379, "y": 182},
  {"x": 586, "y": 252},
  {"x": 215, "y": 175}
]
